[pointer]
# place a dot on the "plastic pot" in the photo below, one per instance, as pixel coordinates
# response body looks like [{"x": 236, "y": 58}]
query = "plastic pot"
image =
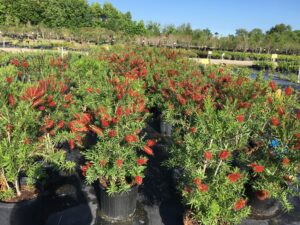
[
  {"x": 22, "y": 213},
  {"x": 118, "y": 207}
]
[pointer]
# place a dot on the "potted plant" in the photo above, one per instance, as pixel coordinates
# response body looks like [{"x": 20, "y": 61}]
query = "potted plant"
[
  {"x": 273, "y": 162},
  {"x": 22, "y": 158},
  {"x": 211, "y": 185},
  {"x": 116, "y": 162}
]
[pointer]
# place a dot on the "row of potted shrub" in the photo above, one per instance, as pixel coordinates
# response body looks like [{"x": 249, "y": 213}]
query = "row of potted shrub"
[{"x": 231, "y": 135}]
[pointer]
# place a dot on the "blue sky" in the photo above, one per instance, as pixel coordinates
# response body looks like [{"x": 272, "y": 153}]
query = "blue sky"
[{"x": 223, "y": 16}]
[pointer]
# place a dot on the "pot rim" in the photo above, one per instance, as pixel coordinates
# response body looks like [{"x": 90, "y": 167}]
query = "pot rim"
[{"x": 4, "y": 204}]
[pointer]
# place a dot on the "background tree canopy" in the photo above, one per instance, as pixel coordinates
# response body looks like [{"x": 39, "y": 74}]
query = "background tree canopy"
[{"x": 78, "y": 14}]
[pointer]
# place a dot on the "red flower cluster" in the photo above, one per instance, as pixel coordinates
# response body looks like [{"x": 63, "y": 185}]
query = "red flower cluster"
[
  {"x": 262, "y": 194},
  {"x": 151, "y": 143},
  {"x": 275, "y": 121},
  {"x": 208, "y": 156},
  {"x": 223, "y": 155},
  {"x": 273, "y": 85},
  {"x": 142, "y": 161},
  {"x": 148, "y": 150},
  {"x": 240, "y": 118},
  {"x": 233, "y": 177},
  {"x": 85, "y": 168},
  {"x": 240, "y": 204},
  {"x": 285, "y": 161},
  {"x": 131, "y": 138},
  {"x": 138, "y": 180},
  {"x": 257, "y": 168},
  {"x": 288, "y": 91}
]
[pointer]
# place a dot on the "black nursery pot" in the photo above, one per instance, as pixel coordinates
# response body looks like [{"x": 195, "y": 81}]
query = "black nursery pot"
[
  {"x": 22, "y": 213},
  {"x": 118, "y": 207}
]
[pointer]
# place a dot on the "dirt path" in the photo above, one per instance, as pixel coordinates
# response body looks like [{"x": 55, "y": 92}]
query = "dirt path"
[{"x": 226, "y": 61}]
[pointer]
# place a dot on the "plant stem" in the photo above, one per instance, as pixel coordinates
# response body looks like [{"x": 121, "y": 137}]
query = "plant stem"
[
  {"x": 218, "y": 168},
  {"x": 18, "y": 187},
  {"x": 4, "y": 179}
]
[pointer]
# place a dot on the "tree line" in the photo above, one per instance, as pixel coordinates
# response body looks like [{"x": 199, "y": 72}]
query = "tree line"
[{"x": 79, "y": 14}]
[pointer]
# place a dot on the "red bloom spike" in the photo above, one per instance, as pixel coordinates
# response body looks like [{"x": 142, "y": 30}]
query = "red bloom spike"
[
  {"x": 223, "y": 155},
  {"x": 288, "y": 91},
  {"x": 151, "y": 143},
  {"x": 203, "y": 187},
  {"x": 262, "y": 195},
  {"x": 148, "y": 150},
  {"x": 138, "y": 180},
  {"x": 240, "y": 204},
  {"x": 208, "y": 156},
  {"x": 142, "y": 161},
  {"x": 233, "y": 177}
]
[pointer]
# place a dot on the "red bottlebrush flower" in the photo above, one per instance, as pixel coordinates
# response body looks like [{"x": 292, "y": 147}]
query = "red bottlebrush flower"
[
  {"x": 42, "y": 108},
  {"x": 9, "y": 79},
  {"x": 240, "y": 118},
  {"x": 298, "y": 114},
  {"x": 240, "y": 204},
  {"x": 220, "y": 70},
  {"x": 151, "y": 143},
  {"x": 212, "y": 76},
  {"x": 270, "y": 100},
  {"x": 288, "y": 91},
  {"x": 90, "y": 90},
  {"x": 148, "y": 150},
  {"x": 25, "y": 64},
  {"x": 297, "y": 135},
  {"x": 275, "y": 121},
  {"x": 223, "y": 155},
  {"x": 203, "y": 187},
  {"x": 262, "y": 195},
  {"x": 138, "y": 180},
  {"x": 102, "y": 162},
  {"x": 233, "y": 177},
  {"x": 15, "y": 62},
  {"x": 129, "y": 138},
  {"x": 115, "y": 120},
  {"x": 84, "y": 169},
  {"x": 49, "y": 123},
  {"x": 52, "y": 132},
  {"x": 96, "y": 130},
  {"x": 98, "y": 91},
  {"x": 20, "y": 73},
  {"x": 193, "y": 129},
  {"x": 27, "y": 141},
  {"x": 208, "y": 156},
  {"x": 60, "y": 124},
  {"x": 281, "y": 111},
  {"x": 71, "y": 144},
  {"x": 104, "y": 123},
  {"x": 273, "y": 85},
  {"x": 37, "y": 102},
  {"x": 257, "y": 168},
  {"x": 119, "y": 111},
  {"x": 112, "y": 133},
  {"x": 285, "y": 161},
  {"x": 52, "y": 104},
  {"x": 181, "y": 99},
  {"x": 197, "y": 181},
  {"x": 142, "y": 161},
  {"x": 11, "y": 100},
  {"x": 119, "y": 163},
  {"x": 50, "y": 98},
  {"x": 68, "y": 97}
]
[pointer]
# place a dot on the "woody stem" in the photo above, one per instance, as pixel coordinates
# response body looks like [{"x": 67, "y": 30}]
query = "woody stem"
[{"x": 218, "y": 168}]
